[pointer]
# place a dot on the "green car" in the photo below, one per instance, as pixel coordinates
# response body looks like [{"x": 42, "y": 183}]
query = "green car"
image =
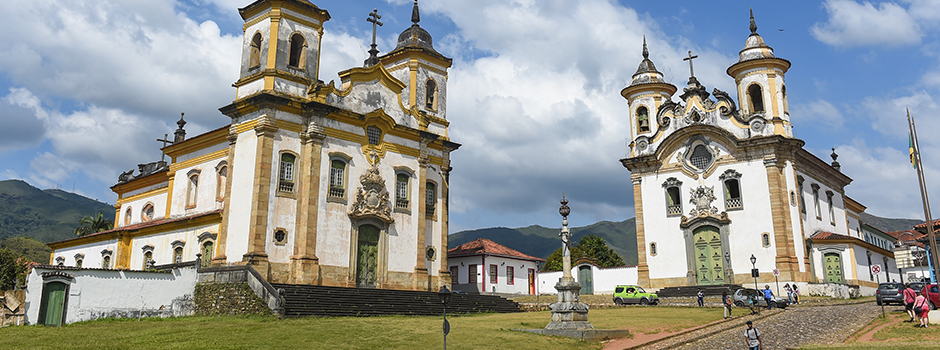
[{"x": 629, "y": 294}]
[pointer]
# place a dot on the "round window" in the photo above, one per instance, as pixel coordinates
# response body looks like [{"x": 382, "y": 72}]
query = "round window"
[{"x": 280, "y": 235}]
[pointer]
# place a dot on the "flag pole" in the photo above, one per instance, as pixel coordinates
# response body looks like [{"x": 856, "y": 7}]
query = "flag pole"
[{"x": 923, "y": 195}]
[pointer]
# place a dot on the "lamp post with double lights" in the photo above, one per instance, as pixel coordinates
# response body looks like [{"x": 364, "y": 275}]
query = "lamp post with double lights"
[
  {"x": 755, "y": 273},
  {"x": 444, "y": 294}
]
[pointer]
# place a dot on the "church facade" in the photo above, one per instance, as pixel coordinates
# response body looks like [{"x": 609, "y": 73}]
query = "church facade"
[
  {"x": 718, "y": 180},
  {"x": 309, "y": 182}
]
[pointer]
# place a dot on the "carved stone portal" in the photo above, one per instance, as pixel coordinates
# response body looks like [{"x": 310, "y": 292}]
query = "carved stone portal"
[{"x": 371, "y": 197}]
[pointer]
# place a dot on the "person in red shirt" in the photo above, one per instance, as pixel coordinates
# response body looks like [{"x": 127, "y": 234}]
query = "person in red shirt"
[
  {"x": 922, "y": 307},
  {"x": 909, "y": 296}
]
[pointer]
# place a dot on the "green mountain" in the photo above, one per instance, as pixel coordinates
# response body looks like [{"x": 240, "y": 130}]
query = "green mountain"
[
  {"x": 28, "y": 248},
  {"x": 46, "y": 215},
  {"x": 888, "y": 225},
  {"x": 542, "y": 241}
]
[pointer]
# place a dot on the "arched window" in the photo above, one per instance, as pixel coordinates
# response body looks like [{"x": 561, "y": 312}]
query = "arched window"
[
  {"x": 653, "y": 251},
  {"x": 127, "y": 216},
  {"x": 221, "y": 180},
  {"x": 337, "y": 178},
  {"x": 297, "y": 51},
  {"x": 816, "y": 200},
  {"x": 832, "y": 213},
  {"x": 146, "y": 214},
  {"x": 78, "y": 262},
  {"x": 643, "y": 119},
  {"x": 254, "y": 52},
  {"x": 286, "y": 173},
  {"x": 765, "y": 239},
  {"x": 148, "y": 257},
  {"x": 401, "y": 191},
  {"x": 786, "y": 107},
  {"x": 430, "y": 193},
  {"x": 374, "y": 134},
  {"x": 207, "y": 253},
  {"x": 673, "y": 197},
  {"x": 106, "y": 262},
  {"x": 799, "y": 181},
  {"x": 177, "y": 255},
  {"x": 756, "y": 96},
  {"x": 731, "y": 180},
  {"x": 430, "y": 95},
  {"x": 192, "y": 190}
]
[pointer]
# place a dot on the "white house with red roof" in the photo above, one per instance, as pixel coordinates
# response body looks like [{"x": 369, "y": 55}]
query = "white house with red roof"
[{"x": 486, "y": 266}]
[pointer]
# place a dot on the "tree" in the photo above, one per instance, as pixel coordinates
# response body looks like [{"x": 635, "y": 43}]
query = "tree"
[
  {"x": 590, "y": 246},
  {"x": 12, "y": 269},
  {"x": 89, "y": 225},
  {"x": 28, "y": 248}
]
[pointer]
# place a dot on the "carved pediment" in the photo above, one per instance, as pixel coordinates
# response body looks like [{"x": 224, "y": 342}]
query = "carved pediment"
[
  {"x": 371, "y": 197},
  {"x": 702, "y": 198}
]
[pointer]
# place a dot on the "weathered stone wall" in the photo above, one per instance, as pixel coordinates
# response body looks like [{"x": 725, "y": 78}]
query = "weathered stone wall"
[{"x": 228, "y": 299}]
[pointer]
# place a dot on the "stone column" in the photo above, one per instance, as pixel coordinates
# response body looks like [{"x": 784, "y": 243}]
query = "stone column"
[
  {"x": 305, "y": 266},
  {"x": 643, "y": 268},
  {"x": 261, "y": 195},
  {"x": 220, "y": 258},
  {"x": 568, "y": 313},
  {"x": 445, "y": 278},
  {"x": 786, "y": 260}
]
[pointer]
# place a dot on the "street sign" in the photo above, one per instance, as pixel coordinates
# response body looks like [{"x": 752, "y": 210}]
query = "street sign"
[
  {"x": 755, "y": 273},
  {"x": 876, "y": 269},
  {"x": 776, "y": 272}
]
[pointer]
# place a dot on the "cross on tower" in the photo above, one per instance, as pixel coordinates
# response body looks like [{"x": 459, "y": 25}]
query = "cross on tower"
[
  {"x": 165, "y": 141},
  {"x": 374, "y": 18},
  {"x": 691, "y": 71}
]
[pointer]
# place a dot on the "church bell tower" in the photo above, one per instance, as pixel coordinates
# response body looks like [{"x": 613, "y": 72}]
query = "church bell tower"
[
  {"x": 645, "y": 94},
  {"x": 280, "y": 47}
]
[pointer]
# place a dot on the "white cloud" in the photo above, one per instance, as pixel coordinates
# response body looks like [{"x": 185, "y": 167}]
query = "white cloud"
[
  {"x": 883, "y": 179},
  {"x": 816, "y": 112},
  {"x": 862, "y": 24},
  {"x": 21, "y": 127}
]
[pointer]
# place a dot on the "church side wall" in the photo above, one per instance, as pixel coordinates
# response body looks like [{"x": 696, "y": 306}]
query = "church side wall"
[
  {"x": 158, "y": 201},
  {"x": 95, "y": 293},
  {"x": 825, "y": 222},
  {"x": 796, "y": 226},
  {"x": 206, "y": 188},
  {"x": 162, "y": 245},
  {"x": 282, "y": 208},
  {"x": 242, "y": 178},
  {"x": 92, "y": 253}
]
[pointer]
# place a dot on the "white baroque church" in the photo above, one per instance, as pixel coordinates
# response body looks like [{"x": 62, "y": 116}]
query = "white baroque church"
[
  {"x": 718, "y": 179},
  {"x": 308, "y": 182}
]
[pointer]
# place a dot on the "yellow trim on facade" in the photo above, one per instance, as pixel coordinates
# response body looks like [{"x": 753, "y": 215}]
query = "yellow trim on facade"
[
  {"x": 137, "y": 184},
  {"x": 141, "y": 195},
  {"x": 246, "y": 126},
  {"x": 852, "y": 257},
  {"x": 200, "y": 142},
  {"x": 169, "y": 196},
  {"x": 413, "y": 80},
  {"x": 222, "y": 153},
  {"x": 289, "y": 126}
]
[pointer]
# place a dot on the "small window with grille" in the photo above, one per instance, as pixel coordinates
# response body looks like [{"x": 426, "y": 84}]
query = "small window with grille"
[
  {"x": 401, "y": 191},
  {"x": 374, "y": 133},
  {"x": 430, "y": 199},
  {"x": 337, "y": 178},
  {"x": 286, "y": 173},
  {"x": 701, "y": 158}
]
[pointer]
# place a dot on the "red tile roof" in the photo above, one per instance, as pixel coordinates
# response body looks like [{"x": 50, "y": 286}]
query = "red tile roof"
[
  {"x": 483, "y": 246},
  {"x": 908, "y": 235},
  {"x": 150, "y": 223},
  {"x": 830, "y": 235},
  {"x": 923, "y": 226}
]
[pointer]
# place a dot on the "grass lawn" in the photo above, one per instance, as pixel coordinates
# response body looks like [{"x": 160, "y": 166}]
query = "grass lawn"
[{"x": 467, "y": 332}]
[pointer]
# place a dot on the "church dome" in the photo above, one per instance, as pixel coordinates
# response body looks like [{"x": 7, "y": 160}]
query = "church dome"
[
  {"x": 754, "y": 47},
  {"x": 415, "y": 36},
  {"x": 646, "y": 73}
]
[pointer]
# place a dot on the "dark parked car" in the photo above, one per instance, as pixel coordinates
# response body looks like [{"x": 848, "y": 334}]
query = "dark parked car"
[
  {"x": 889, "y": 293},
  {"x": 742, "y": 297}
]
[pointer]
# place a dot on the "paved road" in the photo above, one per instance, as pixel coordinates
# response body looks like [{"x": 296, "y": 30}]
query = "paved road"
[{"x": 794, "y": 327}]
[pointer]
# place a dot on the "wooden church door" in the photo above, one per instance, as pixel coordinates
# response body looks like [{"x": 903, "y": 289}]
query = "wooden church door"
[
  {"x": 586, "y": 278},
  {"x": 709, "y": 264},
  {"x": 833, "y": 268},
  {"x": 367, "y": 256},
  {"x": 53, "y": 304}
]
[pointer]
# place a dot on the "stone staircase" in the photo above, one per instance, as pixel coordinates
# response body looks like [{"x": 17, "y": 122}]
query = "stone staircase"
[
  {"x": 689, "y": 291},
  {"x": 308, "y": 300}
]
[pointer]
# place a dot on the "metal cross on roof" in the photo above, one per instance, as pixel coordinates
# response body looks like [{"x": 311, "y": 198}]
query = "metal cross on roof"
[
  {"x": 691, "y": 71},
  {"x": 374, "y": 18},
  {"x": 165, "y": 141}
]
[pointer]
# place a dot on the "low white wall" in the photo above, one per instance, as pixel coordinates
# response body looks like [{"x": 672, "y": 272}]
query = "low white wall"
[
  {"x": 99, "y": 293},
  {"x": 605, "y": 279}
]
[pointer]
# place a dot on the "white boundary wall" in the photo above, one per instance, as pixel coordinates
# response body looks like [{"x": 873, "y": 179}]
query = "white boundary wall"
[
  {"x": 605, "y": 279},
  {"x": 100, "y": 293}
]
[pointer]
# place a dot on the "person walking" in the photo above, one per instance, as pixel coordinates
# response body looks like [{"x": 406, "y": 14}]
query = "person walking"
[
  {"x": 701, "y": 297},
  {"x": 922, "y": 308},
  {"x": 726, "y": 303},
  {"x": 768, "y": 295},
  {"x": 909, "y": 296},
  {"x": 796, "y": 293},
  {"x": 789, "y": 292},
  {"x": 752, "y": 337}
]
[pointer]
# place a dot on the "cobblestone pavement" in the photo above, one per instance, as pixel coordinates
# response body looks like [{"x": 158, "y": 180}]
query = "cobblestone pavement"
[{"x": 782, "y": 329}]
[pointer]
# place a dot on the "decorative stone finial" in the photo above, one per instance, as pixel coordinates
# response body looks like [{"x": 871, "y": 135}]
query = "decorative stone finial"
[
  {"x": 646, "y": 53},
  {"x": 180, "y": 134},
  {"x": 564, "y": 210},
  {"x": 835, "y": 164},
  {"x": 753, "y": 24},
  {"x": 415, "y": 17},
  {"x": 373, "y": 52}
]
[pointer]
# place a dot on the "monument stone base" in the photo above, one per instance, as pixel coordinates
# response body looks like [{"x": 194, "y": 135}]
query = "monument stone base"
[{"x": 569, "y": 312}]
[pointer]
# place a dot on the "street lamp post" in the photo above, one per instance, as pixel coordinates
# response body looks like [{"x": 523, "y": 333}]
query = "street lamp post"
[
  {"x": 444, "y": 294},
  {"x": 755, "y": 273}
]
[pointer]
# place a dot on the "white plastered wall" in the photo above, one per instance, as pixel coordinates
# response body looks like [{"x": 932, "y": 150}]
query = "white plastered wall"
[
  {"x": 92, "y": 253},
  {"x": 241, "y": 174},
  {"x": 162, "y": 245}
]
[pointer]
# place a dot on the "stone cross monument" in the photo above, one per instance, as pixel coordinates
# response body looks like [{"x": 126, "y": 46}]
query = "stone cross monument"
[{"x": 568, "y": 313}]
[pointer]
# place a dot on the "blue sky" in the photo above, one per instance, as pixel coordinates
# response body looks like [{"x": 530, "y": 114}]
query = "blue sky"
[{"x": 87, "y": 86}]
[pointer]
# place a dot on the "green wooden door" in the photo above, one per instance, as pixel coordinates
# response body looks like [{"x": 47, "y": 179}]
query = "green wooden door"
[
  {"x": 367, "y": 256},
  {"x": 833, "y": 268},
  {"x": 586, "y": 278},
  {"x": 709, "y": 264},
  {"x": 54, "y": 295}
]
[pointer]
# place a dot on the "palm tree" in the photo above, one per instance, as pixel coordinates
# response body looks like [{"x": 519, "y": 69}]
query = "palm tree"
[{"x": 89, "y": 225}]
